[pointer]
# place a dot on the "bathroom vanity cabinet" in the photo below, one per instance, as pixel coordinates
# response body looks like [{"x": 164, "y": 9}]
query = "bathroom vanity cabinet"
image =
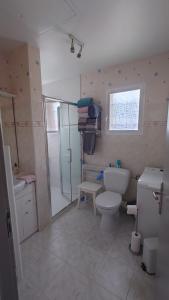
[{"x": 26, "y": 211}]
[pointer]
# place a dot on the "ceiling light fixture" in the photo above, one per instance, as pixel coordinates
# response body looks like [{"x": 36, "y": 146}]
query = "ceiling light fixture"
[
  {"x": 75, "y": 41},
  {"x": 72, "y": 48},
  {"x": 80, "y": 52}
]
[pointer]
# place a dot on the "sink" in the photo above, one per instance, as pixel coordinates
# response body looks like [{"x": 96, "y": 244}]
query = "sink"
[{"x": 18, "y": 184}]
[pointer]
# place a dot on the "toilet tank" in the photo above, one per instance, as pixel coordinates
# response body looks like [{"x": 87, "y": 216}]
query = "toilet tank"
[{"x": 116, "y": 180}]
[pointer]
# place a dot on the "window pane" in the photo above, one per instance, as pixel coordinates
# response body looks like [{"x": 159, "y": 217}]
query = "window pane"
[
  {"x": 124, "y": 110},
  {"x": 52, "y": 116}
]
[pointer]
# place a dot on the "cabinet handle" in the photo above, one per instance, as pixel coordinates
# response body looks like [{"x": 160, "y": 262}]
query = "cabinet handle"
[
  {"x": 29, "y": 200},
  {"x": 26, "y": 213}
]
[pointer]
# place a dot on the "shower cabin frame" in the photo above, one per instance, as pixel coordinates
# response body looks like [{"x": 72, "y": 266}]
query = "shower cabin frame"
[{"x": 47, "y": 99}]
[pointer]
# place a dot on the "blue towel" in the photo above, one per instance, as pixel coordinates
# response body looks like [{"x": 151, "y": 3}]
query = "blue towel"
[
  {"x": 94, "y": 110},
  {"x": 84, "y": 102}
]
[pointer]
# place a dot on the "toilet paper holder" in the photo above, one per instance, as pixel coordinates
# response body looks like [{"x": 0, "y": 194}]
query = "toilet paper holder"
[{"x": 133, "y": 210}]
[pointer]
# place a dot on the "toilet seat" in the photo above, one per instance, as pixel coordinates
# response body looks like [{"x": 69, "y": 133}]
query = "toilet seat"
[{"x": 108, "y": 200}]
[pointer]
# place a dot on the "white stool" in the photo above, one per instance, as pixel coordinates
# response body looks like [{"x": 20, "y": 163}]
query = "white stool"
[{"x": 89, "y": 188}]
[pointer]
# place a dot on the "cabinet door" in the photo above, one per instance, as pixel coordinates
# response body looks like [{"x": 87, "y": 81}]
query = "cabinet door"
[
  {"x": 29, "y": 215},
  {"x": 19, "y": 217}
]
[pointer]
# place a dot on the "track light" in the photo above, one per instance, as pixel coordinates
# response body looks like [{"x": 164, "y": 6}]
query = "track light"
[
  {"x": 80, "y": 52},
  {"x": 75, "y": 41},
  {"x": 72, "y": 48}
]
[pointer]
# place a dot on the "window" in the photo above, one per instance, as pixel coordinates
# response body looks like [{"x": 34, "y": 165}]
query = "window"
[
  {"x": 124, "y": 110},
  {"x": 52, "y": 116}
]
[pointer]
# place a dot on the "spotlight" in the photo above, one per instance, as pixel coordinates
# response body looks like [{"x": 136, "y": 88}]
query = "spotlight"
[
  {"x": 72, "y": 48},
  {"x": 80, "y": 52},
  {"x": 75, "y": 42}
]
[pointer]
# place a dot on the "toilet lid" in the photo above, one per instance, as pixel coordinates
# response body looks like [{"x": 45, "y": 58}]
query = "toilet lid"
[{"x": 108, "y": 200}]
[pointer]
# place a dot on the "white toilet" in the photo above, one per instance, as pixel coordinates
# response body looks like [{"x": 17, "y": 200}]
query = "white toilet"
[{"x": 116, "y": 181}]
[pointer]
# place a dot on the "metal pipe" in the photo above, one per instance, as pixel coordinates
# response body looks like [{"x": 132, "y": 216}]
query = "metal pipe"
[{"x": 54, "y": 99}]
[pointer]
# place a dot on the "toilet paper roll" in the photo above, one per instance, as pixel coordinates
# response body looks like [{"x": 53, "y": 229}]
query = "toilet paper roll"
[
  {"x": 135, "y": 242},
  {"x": 132, "y": 210}
]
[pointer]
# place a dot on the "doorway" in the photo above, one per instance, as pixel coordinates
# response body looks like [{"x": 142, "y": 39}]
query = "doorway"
[
  {"x": 8, "y": 278},
  {"x": 64, "y": 154}
]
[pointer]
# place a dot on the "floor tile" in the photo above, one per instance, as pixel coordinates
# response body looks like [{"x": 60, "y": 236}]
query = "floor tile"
[
  {"x": 41, "y": 273},
  {"x": 97, "y": 292},
  {"x": 115, "y": 275},
  {"x": 67, "y": 284},
  {"x": 74, "y": 259},
  {"x": 142, "y": 287},
  {"x": 87, "y": 260},
  {"x": 100, "y": 241}
]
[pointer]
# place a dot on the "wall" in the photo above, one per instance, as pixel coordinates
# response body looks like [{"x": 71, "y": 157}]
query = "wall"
[
  {"x": 7, "y": 117},
  {"x": 68, "y": 89},
  {"x": 135, "y": 151},
  {"x": 39, "y": 136},
  {"x": 4, "y": 73},
  {"x": 23, "y": 78},
  {"x": 20, "y": 86},
  {"x": 8, "y": 128}
]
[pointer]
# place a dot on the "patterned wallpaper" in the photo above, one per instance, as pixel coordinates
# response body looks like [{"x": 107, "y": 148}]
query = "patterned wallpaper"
[
  {"x": 21, "y": 75},
  {"x": 135, "y": 151},
  {"x": 4, "y": 73},
  {"x": 6, "y": 107}
]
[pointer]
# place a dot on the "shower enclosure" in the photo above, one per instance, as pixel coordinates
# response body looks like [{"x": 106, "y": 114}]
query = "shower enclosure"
[{"x": 64, "y": 152}]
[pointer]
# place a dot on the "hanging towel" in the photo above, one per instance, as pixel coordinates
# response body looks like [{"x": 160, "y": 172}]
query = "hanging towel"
[
  {"x": 82, "y": 121},
  {"x": 89, "y": 124},
  {"x": 94, "y": 124},
  {"x": 89, "y": 142},
  {"x": 27, "y": 178},
  {"x": 91, "y": 121},
  {"x": 91, "y": 127},
  {"x": 82, "y": 110},
  {"x": 84, "y": 102},
  {"x": 83, "y": 115},
  {"x": 81, "y": 127},
  {"x": 94, "y": 110},
  {"x": 91, "y": 111}
]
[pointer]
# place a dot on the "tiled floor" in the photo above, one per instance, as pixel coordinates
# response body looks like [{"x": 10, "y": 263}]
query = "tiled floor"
[
  {"x": 72, "y": 259},
  {"x": 58, "y": 201}
]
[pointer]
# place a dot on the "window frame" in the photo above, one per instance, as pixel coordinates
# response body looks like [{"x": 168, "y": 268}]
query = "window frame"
[{"x": 141, "y": 107}]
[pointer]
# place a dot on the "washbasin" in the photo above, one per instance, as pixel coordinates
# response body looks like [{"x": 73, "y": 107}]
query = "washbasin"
[{"x": 18, "y": 184}]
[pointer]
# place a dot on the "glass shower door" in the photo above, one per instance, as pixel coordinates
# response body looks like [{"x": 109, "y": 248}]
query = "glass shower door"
[
  {"x": 63, "y": 144},
  {"x": 65, "y": 152},
  {"x": 58, "y": 201},
  {"x": 69, "y": 151},
  {"x": 75, "y": 152}
]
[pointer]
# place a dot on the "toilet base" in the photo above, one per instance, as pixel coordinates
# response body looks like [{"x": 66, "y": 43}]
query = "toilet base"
[{"x": 108, "y": 222}]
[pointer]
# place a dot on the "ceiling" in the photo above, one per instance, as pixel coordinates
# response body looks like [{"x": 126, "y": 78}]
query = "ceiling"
[{"x": 113, "y": 31}]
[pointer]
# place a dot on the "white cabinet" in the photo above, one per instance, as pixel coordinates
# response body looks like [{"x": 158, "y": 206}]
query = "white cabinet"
[
  {"x": 148, "y": 207},
  {"x": 26, "y": 211}
]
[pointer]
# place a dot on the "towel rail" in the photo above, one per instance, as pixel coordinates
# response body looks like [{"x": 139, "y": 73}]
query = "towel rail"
[{"x": 98, "y": 132}]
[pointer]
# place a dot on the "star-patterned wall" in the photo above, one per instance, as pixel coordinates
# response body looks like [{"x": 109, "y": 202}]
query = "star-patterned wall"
[{"x": 135, "y": 151}]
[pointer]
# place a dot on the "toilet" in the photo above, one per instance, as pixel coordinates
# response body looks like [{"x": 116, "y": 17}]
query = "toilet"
[{"x": 116, "y": 181}]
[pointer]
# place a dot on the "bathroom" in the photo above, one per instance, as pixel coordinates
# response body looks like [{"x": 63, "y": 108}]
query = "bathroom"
[{"x": 85, "y": 207}]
